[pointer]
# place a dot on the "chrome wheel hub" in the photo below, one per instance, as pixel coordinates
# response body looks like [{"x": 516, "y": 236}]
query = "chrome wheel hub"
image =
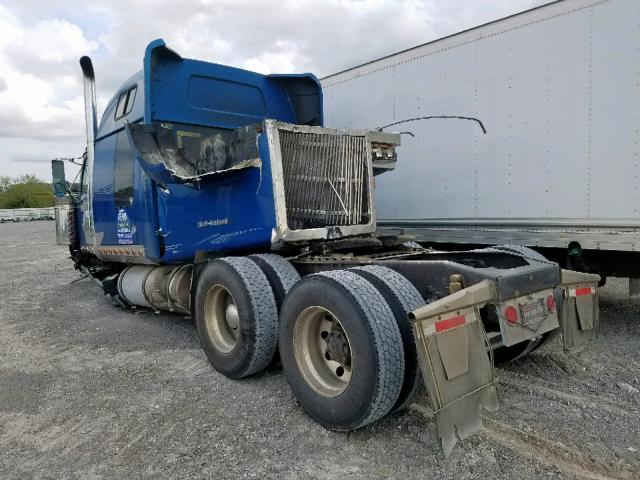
[
  {"x": 322, "y": 351},
  {"x": 221, "y": 318}
]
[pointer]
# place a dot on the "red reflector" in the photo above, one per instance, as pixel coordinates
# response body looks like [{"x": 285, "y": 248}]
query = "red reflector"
[
  {"x": 449, "y": 323},
  {"x": 583, "y": 291},
  {"x": 551, "y": 303},
  {"x": 511, "y": 314}
]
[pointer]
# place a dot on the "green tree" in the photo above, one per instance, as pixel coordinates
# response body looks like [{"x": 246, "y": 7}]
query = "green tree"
[
  {"x": 27, "y": 192},
  {"x": 28, "y": 178}
]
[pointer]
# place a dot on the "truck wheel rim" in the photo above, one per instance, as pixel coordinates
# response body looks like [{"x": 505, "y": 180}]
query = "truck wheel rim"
[
  {"x": 322, "y": 351},
  {"x": 221, "y": 318}
]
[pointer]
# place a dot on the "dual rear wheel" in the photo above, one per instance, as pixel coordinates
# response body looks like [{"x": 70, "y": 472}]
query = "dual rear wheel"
[
  {"x": 344, "y": 337},
  {"x": 236, "y": 316},
  {"x": 341, "y": 349}
]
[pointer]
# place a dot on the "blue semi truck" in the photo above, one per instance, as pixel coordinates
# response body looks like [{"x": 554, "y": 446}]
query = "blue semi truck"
[{"x": 217, "y": 193}]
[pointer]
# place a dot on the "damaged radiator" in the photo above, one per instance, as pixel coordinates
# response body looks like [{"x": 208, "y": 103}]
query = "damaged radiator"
[{"x": 326, "y": 179}]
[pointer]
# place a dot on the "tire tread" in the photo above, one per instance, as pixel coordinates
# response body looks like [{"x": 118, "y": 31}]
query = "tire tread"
[
  {"x": 263, "y": 306},
  {"x": 286, "y": 274},
  {"x": 409, "y": 299},
  {"x": 388, "y": 342}
]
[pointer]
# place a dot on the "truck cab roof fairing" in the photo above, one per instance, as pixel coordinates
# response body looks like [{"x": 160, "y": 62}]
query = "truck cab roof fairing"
[{"x": 202, "y": 93}]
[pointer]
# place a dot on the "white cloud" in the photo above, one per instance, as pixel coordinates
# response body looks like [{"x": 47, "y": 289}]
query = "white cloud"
[
  {"x": 39, "y": 102},
  {"x": 41, "y": 111},
  {"x": 54, "y": 41}
]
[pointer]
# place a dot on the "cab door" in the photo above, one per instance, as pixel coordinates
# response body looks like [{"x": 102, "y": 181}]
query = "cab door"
[
  {"x": 113, "y": 175},
  {"x": 113, "y": 194}
]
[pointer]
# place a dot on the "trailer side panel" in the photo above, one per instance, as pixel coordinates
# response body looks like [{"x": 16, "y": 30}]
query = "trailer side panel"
[{"x": 557, "y": 88}]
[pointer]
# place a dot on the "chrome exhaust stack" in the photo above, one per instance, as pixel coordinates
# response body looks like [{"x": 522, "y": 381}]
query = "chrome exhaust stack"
[
  {"x": 91, "y": 123},
  {"x": 89, "y": 101}
]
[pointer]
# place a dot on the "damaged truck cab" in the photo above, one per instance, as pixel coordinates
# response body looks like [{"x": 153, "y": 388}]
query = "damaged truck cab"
[
  {"x": 217, "y": 193},
  {"x": 181, "y": 137}
]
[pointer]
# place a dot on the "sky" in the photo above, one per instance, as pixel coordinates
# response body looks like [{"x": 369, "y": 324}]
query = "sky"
[{"x": 41, "y": 41}]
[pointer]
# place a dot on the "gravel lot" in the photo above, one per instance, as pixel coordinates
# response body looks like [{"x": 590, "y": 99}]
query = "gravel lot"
[{"x": 90, "y": 390}]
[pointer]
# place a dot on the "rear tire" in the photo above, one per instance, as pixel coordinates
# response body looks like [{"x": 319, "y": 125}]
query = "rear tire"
[
  {"x": 362, "y": 340},
  {"x": 520, "y": 350},
  {"x": 236, "y": 316},
  {"x": 521, "y": 251},
  {"x": 282, "y": 277},
  {"x": 402, "y": 298}
]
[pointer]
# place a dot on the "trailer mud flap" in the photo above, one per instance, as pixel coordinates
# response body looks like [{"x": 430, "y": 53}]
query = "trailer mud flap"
[
  {"x": 579, "y": 315},
  {"x": 458, "y": 373}
]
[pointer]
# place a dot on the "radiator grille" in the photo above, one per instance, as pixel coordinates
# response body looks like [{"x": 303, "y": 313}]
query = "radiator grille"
[{"x": 325, "y": 179}]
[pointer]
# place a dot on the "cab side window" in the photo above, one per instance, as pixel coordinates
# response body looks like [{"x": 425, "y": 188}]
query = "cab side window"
[
  {"x": 125, "y": 102},
  {"x": 123, "y": 172}
]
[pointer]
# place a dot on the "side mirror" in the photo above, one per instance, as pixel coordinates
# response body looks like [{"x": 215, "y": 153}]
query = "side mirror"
[{"x": 57, "y": 174}]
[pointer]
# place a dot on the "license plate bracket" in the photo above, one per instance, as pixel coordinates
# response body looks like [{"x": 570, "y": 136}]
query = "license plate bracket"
[
  {"x": 532, "y": 313},
  {"x": 533, "y": 318}
]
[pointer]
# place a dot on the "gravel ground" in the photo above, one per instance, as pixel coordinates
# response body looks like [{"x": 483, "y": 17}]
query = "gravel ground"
[{"x": 89, "y": 390}]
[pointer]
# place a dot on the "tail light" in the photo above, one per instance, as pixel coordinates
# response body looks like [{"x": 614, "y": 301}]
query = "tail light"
[
  {"x": 551, "y": 303},
  {"x": 511, "y": 314}
]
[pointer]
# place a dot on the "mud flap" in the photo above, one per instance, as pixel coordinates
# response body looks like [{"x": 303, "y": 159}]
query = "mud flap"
[
  {"x": 579, "y": 312},
  {"x": 458, "y": 373}
]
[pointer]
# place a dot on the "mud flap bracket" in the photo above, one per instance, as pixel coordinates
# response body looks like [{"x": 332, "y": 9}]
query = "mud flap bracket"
[
  {"x": 452, "y": 348},
  {"x": 579, "y": 316}
]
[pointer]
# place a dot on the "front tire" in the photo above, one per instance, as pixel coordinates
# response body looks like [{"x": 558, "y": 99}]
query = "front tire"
[
  {"x": 236, "y": 316},
  {"x": 341, "y": 350}
]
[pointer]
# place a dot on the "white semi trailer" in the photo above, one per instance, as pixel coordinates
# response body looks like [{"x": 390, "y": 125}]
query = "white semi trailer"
[{"x": 558, "y": 90}]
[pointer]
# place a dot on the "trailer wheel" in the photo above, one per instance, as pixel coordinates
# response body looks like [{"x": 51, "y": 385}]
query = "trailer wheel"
[
  {"x": 282, "y": 276},
  {"x": 341, "y": 350},
  {"x": 236, "y": 316},
  {"x": 402, "y": 298}
]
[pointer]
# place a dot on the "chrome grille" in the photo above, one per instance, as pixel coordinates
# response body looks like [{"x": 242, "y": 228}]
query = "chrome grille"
[{"x": 325, "y": 179}]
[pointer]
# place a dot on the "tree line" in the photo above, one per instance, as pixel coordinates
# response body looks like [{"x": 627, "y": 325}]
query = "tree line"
[{"x": 25, "y": 191}]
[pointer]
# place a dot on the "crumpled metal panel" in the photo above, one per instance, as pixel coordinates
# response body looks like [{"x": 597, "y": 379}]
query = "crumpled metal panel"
[{"x": 174, "y": 153}]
